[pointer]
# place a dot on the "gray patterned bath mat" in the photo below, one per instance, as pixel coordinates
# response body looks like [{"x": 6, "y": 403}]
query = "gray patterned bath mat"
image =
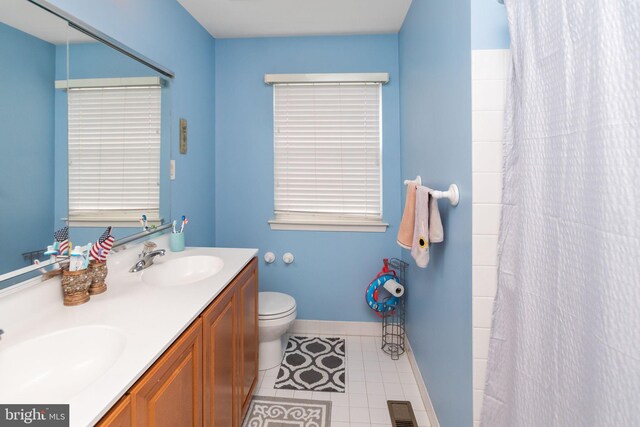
[
  {"x": 285, "y": 412},
  {"x": 313, "y": 363}
]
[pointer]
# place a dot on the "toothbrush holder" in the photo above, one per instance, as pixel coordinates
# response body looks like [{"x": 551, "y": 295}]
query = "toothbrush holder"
[
  {"x": 75, "y": 286},
  {"x": 98, "y": 272},
  {"x": 176, "y": 242}
]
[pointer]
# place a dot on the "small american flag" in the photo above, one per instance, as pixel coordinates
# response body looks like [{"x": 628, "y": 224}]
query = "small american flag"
[
  {"x": 95, "y": 252},
  {"x": 106, "y": 247},
  {"x": 62, "y": 236}
]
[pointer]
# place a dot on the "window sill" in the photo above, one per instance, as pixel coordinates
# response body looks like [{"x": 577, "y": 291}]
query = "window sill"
[
  {"x": 105, "y": 222},
  {"x": 316, "y": 225}
]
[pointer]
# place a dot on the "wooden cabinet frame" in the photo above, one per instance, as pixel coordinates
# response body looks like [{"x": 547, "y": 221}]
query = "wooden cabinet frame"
[{"x": 247, "y": 315}]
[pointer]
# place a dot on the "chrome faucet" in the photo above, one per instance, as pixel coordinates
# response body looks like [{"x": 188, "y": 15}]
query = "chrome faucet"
[
  {"x": 146, "y": 257},
  {"x": 1, "y": 332}
]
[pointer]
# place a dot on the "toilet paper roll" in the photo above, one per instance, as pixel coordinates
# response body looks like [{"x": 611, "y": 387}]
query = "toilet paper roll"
[{"x": 394, "y": 288}]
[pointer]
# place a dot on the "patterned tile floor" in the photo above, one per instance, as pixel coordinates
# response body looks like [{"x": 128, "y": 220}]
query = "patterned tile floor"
[{"x": 372, "y": 379}]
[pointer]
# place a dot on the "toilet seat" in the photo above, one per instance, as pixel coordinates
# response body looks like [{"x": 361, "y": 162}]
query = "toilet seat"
[
  {"x": 276, "y": 316},
  {"x": 275, "y": 305}
]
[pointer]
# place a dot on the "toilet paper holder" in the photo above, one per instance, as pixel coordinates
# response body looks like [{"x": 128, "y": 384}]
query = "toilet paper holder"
[{"x": 393, "y": 322}]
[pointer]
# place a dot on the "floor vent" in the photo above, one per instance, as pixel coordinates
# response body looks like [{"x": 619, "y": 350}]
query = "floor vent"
[{"x": 401, "y": 413}]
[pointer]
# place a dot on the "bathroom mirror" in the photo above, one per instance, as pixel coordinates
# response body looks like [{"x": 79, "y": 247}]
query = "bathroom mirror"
[{"x": 85, "y": 131}]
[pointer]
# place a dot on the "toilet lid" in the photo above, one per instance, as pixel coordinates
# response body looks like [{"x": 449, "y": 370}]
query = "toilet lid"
[{"x": 274, "y": 303}]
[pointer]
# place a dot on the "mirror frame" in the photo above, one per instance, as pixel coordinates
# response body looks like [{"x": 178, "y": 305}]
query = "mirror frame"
[
  {"x": 87, "y": 29},
  {"x": 102, "y": 37}
]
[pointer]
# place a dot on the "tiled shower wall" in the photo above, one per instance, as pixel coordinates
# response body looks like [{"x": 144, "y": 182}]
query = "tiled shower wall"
[{"x": 489, "y": 78}]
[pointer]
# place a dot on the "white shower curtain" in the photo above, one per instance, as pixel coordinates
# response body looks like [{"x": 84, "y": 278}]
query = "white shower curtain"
[{"x": 565, "y": 341}]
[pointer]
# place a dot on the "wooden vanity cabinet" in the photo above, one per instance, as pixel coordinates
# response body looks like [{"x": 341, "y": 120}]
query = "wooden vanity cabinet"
[
  {"x": 247, "y": 295},
  {"x": 220, "y": 355},
  {"x": 170, "y": 393},
  {"x": 119, "y": 415},
  {"x": 208, "y": 375},
  {"x": 231, "y": 351}
]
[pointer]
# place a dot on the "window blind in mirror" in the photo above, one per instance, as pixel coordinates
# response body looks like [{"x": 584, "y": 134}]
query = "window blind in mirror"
[
  {"x": 327, "y": 147},
  {"x": 114, "y": 153}
]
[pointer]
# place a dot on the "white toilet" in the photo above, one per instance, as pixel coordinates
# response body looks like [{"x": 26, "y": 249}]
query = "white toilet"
[{"x": 276, "y": 313}]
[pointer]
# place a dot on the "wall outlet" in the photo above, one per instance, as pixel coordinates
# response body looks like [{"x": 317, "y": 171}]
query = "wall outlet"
[{"x": 172, "y": 170}]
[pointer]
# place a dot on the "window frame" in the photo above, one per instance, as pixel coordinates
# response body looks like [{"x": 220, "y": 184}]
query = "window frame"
[
  {"x": 118, "y": 217},
  {"x": 323, "y": 221}
]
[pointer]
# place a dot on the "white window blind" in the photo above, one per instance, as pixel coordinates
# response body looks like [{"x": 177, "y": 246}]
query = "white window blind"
[
  {"x": 327, "y": 151},
  {"x": 114, "y": 153}
]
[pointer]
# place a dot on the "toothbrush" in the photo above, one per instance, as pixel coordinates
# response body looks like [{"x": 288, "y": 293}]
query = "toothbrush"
[
  {"x": 85, "y": 256},
  {"x": 74, "y": 261},
  {"x": 185, "y": 221},
  {"x": 37, "y": 262},
  {"x": 143, "y": 221},
  {"x": 174, "y": 226},
  {"x": 52, "y": 251}
]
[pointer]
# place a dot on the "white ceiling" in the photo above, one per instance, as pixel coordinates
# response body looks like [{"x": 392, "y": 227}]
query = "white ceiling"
[
  {"x": 31, "y": 19},
  {"x": 261, "y": 18}
]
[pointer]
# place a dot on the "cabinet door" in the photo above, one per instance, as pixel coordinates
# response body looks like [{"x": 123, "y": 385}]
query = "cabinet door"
[
  {"x": 219, "y": 326},
  {"x": 170, "y": 393},
  {"x": 248, "y": 336},
  {"x": 119, "y": 415}
]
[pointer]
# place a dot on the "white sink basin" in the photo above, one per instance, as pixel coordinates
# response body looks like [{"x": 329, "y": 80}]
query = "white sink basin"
[
  {"x": 182, "y": 271},
  {"x": 59, "y": 365}
]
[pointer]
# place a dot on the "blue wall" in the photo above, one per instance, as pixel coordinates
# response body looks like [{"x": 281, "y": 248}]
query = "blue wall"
[
  {"x": 96, "y": 60},
  {"x": 165, "y": 32},
  {"x": 332, "y": 269},
  {"x": 489, "y": 29},
  {"x": 435, "y": 93},
  {"x": 27, "y": 111}
]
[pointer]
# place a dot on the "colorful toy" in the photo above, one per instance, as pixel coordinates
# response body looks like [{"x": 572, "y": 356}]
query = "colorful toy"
[{"x": 372, "y": 293}]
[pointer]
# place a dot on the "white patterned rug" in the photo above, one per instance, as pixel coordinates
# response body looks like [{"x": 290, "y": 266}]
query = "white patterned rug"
[
  {"x": 285, "y": 412},
  {"x": 313, "y": 363}
]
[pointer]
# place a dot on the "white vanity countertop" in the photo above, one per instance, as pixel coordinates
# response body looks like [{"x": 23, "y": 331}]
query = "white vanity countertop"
[{"x": 149, "y": 317}]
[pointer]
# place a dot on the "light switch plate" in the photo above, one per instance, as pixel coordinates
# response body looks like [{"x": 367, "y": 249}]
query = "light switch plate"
[
  {"x": 183, "y": 136},
  {"x": 172, "y": 170}
]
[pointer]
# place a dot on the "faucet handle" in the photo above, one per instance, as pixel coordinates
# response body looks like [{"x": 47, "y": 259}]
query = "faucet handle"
[{"x": 149, "y": 246}]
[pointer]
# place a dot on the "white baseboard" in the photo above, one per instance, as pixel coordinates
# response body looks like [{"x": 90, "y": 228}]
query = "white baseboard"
[
  {"x": 329, "y": 327},
  {"x": 374, "y": 329},
  {"x": 424, "y": 393}
]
